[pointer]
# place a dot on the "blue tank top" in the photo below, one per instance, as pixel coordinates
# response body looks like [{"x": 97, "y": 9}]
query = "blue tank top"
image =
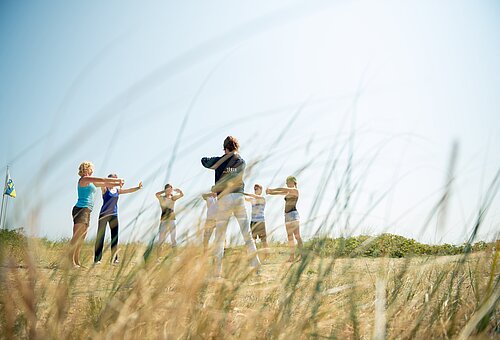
[
  {"x": 110, "y": 204},
  {"x": 86, "y": 196}
]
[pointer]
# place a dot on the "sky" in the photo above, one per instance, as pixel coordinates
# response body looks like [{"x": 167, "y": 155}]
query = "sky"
[{"x": 376, "y": 93}]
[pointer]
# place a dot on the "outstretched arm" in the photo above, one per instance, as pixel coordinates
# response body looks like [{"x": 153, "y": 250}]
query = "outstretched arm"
[
  {"x": 101, "y": 182},
  {"x": 214, "y": 162},
  {"x": 130, "y": 190},
  {"x": 251, "y": 195},
  {"x": 270, "y": 191},
  {"x": 207, "y": 196},
  {"x": 209, "y": 162},
  {"x": 283, "y": 191}
]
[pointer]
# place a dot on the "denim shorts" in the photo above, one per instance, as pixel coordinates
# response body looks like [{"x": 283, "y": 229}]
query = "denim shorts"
[{"x": 292, "y": 216}]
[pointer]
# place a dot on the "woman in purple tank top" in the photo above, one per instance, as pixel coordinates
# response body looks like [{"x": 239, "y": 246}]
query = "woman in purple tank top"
[{"x": 109, "y": 215}]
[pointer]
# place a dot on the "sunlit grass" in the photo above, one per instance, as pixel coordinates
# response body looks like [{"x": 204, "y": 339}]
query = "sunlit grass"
[{"x": 176, "y": 296}]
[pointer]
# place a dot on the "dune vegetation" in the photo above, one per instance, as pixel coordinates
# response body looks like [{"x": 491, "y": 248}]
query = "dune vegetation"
[{"x": 325, "y": 294}]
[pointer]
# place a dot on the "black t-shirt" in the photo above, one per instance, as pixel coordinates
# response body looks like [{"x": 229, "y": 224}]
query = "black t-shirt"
[{"x": 229, "y": 170}]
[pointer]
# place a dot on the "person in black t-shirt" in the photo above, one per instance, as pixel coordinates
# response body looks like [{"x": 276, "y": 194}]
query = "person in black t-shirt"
[{"x": 229, "y": 187}]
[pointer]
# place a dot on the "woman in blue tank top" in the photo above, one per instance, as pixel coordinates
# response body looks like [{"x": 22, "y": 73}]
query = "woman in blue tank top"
[
  {"x": 109, "y": 215},
  {"x": 87, "y": 187}
]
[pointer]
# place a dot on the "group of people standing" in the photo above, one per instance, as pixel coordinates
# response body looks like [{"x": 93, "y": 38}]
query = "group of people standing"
[{"x": 227, "y": 198}]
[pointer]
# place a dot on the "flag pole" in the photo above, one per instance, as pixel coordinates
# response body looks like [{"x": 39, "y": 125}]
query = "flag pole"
[
  {"x": 3, "y": 197},
  {"x": 5, "y": 213}
]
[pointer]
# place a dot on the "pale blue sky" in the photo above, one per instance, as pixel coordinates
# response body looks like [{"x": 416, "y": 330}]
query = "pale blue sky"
[{"x": 112, "y": 81}]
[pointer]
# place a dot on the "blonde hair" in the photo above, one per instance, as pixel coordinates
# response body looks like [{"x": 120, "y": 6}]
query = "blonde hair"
[
  {"x": 85, "y": 168},
  {"x": 292, "y": 179}
]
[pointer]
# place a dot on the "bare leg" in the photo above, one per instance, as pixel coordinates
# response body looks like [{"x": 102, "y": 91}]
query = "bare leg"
[
  {"x": 263, "y": 238},
  {"x": 73, "y": 241},
  {"x": 79, "y": 233},
  {"x": 291, "y": 243},
  {"x": 79, "y": 246},
  {"x": 266, "y": 248},
  {"x": 296, "y": 233}
]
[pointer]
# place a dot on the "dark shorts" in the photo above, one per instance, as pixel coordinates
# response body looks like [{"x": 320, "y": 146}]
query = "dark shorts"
[
  {"x": 167, "y": 215},
  {"x": 258, "y": 230},
  {"x": 81, "y": 215}
]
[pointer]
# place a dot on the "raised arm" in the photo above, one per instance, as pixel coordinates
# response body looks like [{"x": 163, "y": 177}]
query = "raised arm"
[
  {"x": 180, "y": 195},
  {"x": 130, "y": 190},
  {"x": 159, "y": 193},
  {"x": 101, "y": 182}
]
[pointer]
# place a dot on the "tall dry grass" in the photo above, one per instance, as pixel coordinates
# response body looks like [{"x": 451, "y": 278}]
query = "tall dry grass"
[
  {"x": 316, "y": 297},
  {"x": 176, "y": 297},
  {"x": 41, "y": 296}
]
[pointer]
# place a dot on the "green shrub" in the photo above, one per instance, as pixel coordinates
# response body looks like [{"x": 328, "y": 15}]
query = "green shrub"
[
  {"x": 12, "y": 244},
  {"x": 384, "y": 245}
]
